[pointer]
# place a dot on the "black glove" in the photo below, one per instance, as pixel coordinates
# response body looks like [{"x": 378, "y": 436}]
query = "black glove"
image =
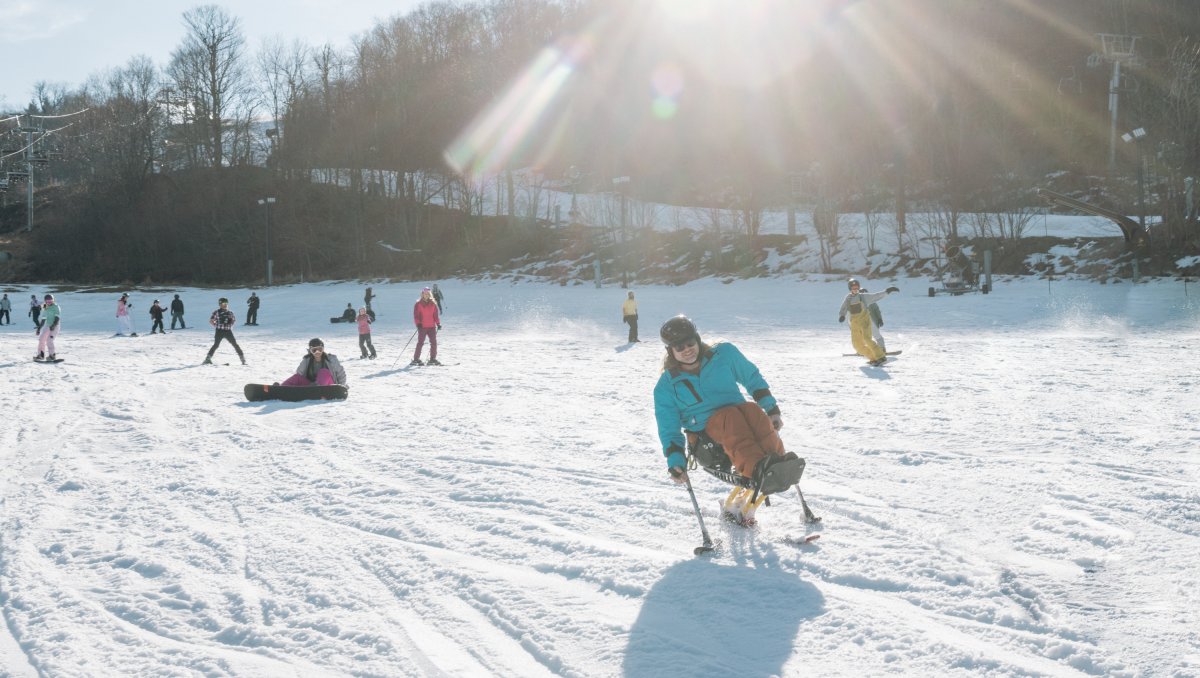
[
  {"x": 439, "y": 326},
  {"x": 892, "y": 289},
  {"x": 841, "y": 318}
]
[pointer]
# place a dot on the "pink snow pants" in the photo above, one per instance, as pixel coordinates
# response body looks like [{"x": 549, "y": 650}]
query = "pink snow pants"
[
  {"x": 324, "y": 378},
  {"x": 46, "y": 341}
]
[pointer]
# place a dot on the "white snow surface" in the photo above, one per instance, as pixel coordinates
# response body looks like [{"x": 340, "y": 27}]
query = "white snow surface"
[{"x": 1014, "y": 495}]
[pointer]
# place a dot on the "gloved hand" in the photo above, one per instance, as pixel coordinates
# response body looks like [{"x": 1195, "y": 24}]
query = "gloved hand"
[
  {"x": 776, "y": 421},
  {"x": 439, "y": 327},
  {"x": 678, "y": 474},
  {"x": 841, "y": 318},
  {"x": 892, "y": 289}
]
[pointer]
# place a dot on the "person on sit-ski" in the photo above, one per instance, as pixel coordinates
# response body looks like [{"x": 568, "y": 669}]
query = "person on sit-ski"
[{"x": 700, "y": 392}]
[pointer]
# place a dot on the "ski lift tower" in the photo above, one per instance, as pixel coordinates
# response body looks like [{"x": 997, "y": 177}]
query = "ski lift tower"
[
  {"x": 1117, "y": 50},
  {"x": 29, "y": 131}
]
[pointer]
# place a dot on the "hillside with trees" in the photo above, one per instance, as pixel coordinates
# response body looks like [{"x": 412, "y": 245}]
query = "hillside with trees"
[{"x": 414, "y": 151}]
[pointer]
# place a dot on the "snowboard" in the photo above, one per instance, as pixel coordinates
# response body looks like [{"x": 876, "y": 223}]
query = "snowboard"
[
  {"x": 258, "y": 392},
  {"x": 851, "y": 355},
  {"x": 56, "y": 360}
]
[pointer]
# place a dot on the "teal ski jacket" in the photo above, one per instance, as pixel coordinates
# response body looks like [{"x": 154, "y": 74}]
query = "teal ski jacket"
[
  {"x": 684, "y": 401},
  {"x": 51, "y": 317}
]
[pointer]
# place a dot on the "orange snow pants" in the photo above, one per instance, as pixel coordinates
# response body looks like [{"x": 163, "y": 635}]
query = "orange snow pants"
[{"x": 746, "y": 433}]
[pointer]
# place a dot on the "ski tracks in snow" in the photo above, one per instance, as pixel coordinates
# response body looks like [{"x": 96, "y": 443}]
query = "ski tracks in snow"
[
  {"x": 1024, "y": 569},
  {"x": 986, "y": 511}
]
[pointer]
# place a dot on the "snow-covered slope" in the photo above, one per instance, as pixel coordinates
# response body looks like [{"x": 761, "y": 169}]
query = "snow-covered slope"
[{"x": 1016, "y": 494}]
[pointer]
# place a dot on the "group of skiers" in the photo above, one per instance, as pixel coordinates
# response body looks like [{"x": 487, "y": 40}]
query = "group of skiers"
[
  {"x": 698, "y": 400},
  {"x": 427, "y": 310}
]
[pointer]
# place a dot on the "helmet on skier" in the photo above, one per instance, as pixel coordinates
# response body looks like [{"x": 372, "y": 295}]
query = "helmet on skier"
[
  {"x": 851, "y": 283},
  {"x": 315, "y": 342},
  {"x": 49, "y": 297},
  {"x": 677, "y": 329}
]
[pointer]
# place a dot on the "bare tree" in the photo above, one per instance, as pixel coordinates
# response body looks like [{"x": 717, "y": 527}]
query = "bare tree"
[
  {"x": 282, "y": 71},
  {"x": 1006, "y": 208},
  {"x": 927, "y": 225},
  {"x": 825, "y": 220},
  {"x": 209, "y": 66}
]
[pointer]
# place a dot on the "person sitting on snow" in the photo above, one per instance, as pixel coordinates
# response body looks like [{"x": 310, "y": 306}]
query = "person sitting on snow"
[{"x": 317, "y": 368}]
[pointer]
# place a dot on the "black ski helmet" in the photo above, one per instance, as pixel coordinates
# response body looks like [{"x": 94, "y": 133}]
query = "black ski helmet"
[
  {"x": 677, "y": 329},
  {"x": 852, "y": 282},
  {"x": 315, "y": 342}
]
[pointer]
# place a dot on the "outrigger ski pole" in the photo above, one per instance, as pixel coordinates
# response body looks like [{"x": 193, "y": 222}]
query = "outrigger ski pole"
[
  {"x": 708, "y": 542},
  {"x": 809, "y": 516}
]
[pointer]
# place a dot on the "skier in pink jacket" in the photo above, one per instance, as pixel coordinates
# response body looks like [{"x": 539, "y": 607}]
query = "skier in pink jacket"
[
  {"x": 425, "y": 316},
  {"x": 124, "y": 323},
  {"x": 364, "y": 334}
]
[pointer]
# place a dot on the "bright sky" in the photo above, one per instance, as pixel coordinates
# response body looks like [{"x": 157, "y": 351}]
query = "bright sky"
[{"x": 65, "y": 41}]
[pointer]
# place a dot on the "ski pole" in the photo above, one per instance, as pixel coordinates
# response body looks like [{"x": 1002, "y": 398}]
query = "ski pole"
[
  {"x": 708, "y": 543},
  {"x": 809, "y": 516},
  {"x": 403, "y": 350}
]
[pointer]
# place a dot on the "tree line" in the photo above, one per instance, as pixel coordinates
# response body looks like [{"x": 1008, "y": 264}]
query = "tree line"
[{"x": 954, "y": 111}]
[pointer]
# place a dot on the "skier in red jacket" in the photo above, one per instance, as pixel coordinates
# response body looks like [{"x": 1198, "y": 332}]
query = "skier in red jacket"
[{"x": 425, "y": 316}]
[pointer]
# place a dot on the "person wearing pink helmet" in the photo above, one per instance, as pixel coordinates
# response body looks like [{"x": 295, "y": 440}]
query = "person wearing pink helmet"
[{"x": 428, "y": 322}]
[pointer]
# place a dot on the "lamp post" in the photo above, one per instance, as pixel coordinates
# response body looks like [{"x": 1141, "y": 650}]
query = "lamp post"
[
  {"x": 266, "y": 203},
  {"x": 1135, "y": 137},
  {"x": 621, "y": 181}
]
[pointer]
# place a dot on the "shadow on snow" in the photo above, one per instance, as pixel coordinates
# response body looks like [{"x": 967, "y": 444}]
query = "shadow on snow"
[{"x": 708, "y": 619}]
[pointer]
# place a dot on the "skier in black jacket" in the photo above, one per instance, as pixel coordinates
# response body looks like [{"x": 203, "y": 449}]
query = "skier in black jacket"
[
  {"x": 252, "y": 309},
  {"x": 223, "y": 321},
  {"x": 177, "y": 313},
  {"x": 156, "y": 313},
  {"x": 367, "y": 300}
]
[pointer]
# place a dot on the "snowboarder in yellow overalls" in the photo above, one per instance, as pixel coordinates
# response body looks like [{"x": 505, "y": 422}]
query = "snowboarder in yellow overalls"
[{"x": 856, "y": 304}]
